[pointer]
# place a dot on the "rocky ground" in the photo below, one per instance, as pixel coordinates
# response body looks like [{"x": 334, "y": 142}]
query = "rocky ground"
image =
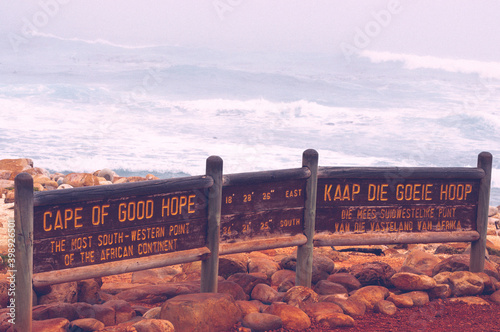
[{"x": 407, "y": 288}]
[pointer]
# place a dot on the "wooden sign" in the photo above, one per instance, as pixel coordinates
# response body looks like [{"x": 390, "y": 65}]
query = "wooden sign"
[
  {"x": 263, "y": 206},
  {"x": 382, "y": 204},
  {"x": 95, "y": 231}
]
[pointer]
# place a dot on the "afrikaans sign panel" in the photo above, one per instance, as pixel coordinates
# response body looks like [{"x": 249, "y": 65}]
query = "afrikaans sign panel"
[{"x": 354, "y": 205}]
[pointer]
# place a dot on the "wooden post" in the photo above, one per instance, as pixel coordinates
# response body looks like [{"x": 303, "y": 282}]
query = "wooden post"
[
  {"x": 303, "y": 275},
  {"x": 478, "y": 248},
  {"x": 23, "y": 214},
  {"x": 210, "y": 266}
]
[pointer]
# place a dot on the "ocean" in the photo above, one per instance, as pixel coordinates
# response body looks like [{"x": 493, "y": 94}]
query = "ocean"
[{"x": 83, "y": 105}]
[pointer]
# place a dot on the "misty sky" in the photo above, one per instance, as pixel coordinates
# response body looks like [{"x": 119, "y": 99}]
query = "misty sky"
[{"x": 450, "y": 28}]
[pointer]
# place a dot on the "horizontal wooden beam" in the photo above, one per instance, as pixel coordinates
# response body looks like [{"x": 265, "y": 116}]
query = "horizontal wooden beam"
[
  {"x": 325, "y": 239},
  {"x": 119, "y": 267},
  {"x": 262, "y": 244},
  {"x": 398, "y": 173},
  {"x": 266, "y": 176},
  {"x": 98, "y": 193}
]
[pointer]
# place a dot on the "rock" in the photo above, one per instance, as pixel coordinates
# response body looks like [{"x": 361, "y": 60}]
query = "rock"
[
  {"x": 81, "y": 180},
  {"x": 123, "y": 310},
  {"x": 461, "y": 263},
  {"x": 155, "y": 276},
  {"x": 322, "y": 267},
  {"x": 55, "y": 310},
  {"x": 471, "y": 300},
  {"x": 88, "y": 291},
  {"x": 86, "y": 324},
  {"x": 385, "y": 307},
  {"x": 286, "y": 285},
  {"x": 257, "y": 321},
  {"x": 263, "y": 293},
  {"x": 448, "y": 250},
  {"x": 64, "y": 186},
  {"x": 493, "y": 210},
  {"x": 465, "y": 283},
  {"x": 232, "y": 288},
  {"x": 420, "y": 260},
  {"x": 289, "y": 262},
  {"x": 5, "y": 175},
  {"x": 369, "y": 295},
  {"x": 373, "y": 273},
  {"x": 15, "y": 166},
  {"x": 441, "y": 291},
  {"x": 45, "y": 181},
  {"x": 314, "y": 310},
  {"x": 106, "y": 173},
  {"x": 153, "y": 313},
  {"x": 282, "y": 275},
  {"x": 231, "y": 264},
  {"x": 262, "y": 265},
  {"x": 488, "y": 282},
  {"x": 299, "y": 295},
  {"x": 248, "y": 281},
  {"x": 65, "y": 292},
  {"x": 401, "y": 300},
  {"x": 51, "y": 325},
  {"x": 248, "y": 307},
  {"x": 495, "y": 297},
  {"x": 351, "y": 306},
  {"x": 345, "y": 279},
  {"x": 292, "y": 317},
  {"x": 410, "y": 282},
  {"x": 334, "y": 320},
  {"x": 325, "y": 287},
  {"x": 204, "y": 312},
  {"x": 419, "y": 298},
  {"x": 154, "y": 325},
  {"x": 105, "y": 314},
  {"x": 157, "y": 293},
  {"x": 84, "y": 310}
]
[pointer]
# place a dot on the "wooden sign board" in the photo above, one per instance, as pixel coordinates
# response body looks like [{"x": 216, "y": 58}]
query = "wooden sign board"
[
  {"x": 359, "y": 205},
  {"x": 94, "y": 231},
  {"x": 262, "y": 207}
]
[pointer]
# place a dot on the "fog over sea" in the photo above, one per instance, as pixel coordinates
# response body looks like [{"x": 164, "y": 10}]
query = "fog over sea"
[{"x": 83, "y": 105}]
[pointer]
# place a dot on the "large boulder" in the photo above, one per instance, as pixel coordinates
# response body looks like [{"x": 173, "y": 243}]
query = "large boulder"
[
  {"x": 231, "y": 264},
  {"x": 264, "y": 293},
  {"x": 373, "y": 273},
  {"x": 465, "y": 283},
  {"x": 299, "y": 295},
  {"x": 461, "y": 263},
  {"x": 204, "y": 312},
  {"x": 369, "y": 295},
  {"x": 257, "y": 322},
  {"x": 421, "y": 261},
  {"x": 15, "y": 166},
  {"x": 262, "y": 265},
  {"x": 280, "y": 276},
  {"x": 292, "y": 317},
  {"x": 345, "y": 279},
  {"x": 406, "y": 281},
  {"x": 89, "y": 291},
  {"x": 123, "y": 310},
  {"x": 325, "y": 287},
  {"x": 231, "y": 288},
  {"x": 65, "y": 292},
  {"x": 81, "y": 180},
  {"x": 248, "y": 281},
  {"x": 51, "y": 325}
]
